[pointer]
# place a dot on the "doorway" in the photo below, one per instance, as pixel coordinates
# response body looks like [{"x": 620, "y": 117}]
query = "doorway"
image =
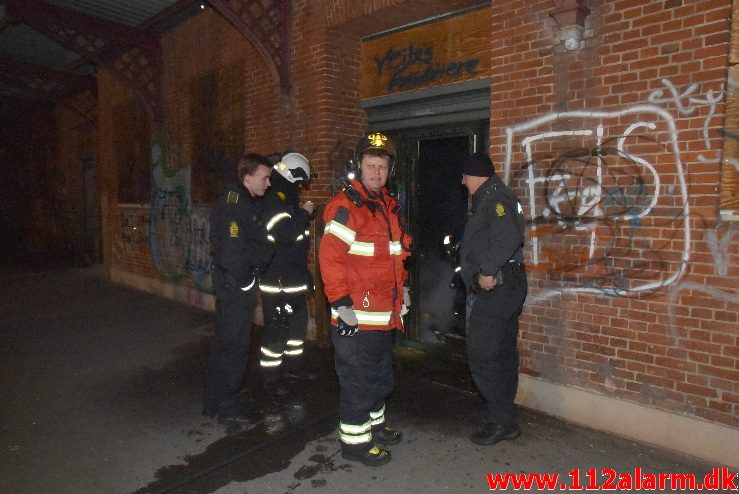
[{"x": 428, "y": 186}]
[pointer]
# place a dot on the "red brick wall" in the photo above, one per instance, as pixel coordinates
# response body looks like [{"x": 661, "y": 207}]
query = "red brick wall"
[
  {"x": 672, "y": 346},
  {"x": 633, "y": 296}
]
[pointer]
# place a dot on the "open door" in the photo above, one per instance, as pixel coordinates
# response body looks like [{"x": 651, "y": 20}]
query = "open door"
[{"x": 428, "y": 186}]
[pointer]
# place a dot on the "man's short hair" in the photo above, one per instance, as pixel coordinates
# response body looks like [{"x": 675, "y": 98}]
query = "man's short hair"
[{"x": 249, "y": 163}]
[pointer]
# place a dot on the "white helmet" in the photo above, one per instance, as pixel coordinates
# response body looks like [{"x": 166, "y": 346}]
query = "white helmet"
[{"x": 294, "y": 167}]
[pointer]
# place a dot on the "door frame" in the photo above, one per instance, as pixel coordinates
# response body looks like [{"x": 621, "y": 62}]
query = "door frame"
[{"x": 405, "y": 183}]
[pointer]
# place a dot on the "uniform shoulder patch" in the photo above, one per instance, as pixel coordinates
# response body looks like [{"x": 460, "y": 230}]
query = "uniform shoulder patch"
[
  {"x": 500, "y": 209},
  {"x": 342, "y": 215},
  {"x": 233, "y": 230},
  {"x": 232, "y": 197},
  {"x": 282, "y": 195}
]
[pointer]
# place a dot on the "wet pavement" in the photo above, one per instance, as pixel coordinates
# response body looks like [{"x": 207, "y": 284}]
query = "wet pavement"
[{"x": 101, "y": 389}]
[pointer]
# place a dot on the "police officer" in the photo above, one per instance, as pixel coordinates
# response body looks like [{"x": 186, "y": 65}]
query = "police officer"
[
  {"x": 286, "y": 281},
  {"x": 238, "y": 241},
  {"x": 361, "y": 258},
  {"x": 491, "y": 257}
]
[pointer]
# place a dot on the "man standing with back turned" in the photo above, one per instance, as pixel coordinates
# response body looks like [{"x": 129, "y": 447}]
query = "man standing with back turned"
[
  {"x": 491, "y": 257},
  {"x": 361, "y": 258},
  {"x": 238, "y": 239}
]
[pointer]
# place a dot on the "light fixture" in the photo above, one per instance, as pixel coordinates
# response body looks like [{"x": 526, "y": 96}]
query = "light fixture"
[{"x": 570, "y": 17}]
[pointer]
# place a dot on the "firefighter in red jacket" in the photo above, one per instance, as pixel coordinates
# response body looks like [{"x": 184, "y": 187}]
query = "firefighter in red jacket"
[{"x": 361, "y": 257}]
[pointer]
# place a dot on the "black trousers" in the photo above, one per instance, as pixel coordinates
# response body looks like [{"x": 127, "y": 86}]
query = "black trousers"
[
  {"x": 284, "y": 333},
  {"x": 364, "y": 365},
  {"x": 492, "y": 336},
  {"x": 229, "y": 349}
]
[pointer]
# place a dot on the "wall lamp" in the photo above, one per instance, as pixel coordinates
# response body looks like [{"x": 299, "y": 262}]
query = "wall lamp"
[{"x": 570, "y": 17}]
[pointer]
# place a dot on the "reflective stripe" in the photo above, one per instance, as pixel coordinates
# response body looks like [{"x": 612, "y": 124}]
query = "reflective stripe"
[
  {"x": 378, "y": 417},
  {"x": 270, "y": 363},
  {"x": 355, "y": 429},
  {"x": 368, "y": 318},
  {"x": 360, "y": 439},
  {"x": 307, "y": 233},
  {"x": 270, "y": 238},
  {"x": 295, "y": 342},
  {"x": 297, "y": 351},
  {"x": 362, "y": 248},
  {"x": 248, "y": 287},
  {"x": 395, "y": 248},
  {"x": 355, "y": 434},
  {"x": 458, "y": 269},
  {"x": 300, "y": 237},
  {"x": 380, "y": 413},
  {"x": 269, "y": 353},
  {"x": 276, "y": 218},
  {"x": 347, "y": 235},
  {"x": 284, "y": 289}
]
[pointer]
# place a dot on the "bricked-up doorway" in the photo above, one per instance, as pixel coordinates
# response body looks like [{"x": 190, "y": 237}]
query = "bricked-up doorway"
[{"x": 428, "y": 184}]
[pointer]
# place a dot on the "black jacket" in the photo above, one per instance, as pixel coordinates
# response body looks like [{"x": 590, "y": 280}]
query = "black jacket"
[
  {"x": 238, "y": 236},
  {"x": 494, "y": 233},
  {"x": 287, "y": 229}
]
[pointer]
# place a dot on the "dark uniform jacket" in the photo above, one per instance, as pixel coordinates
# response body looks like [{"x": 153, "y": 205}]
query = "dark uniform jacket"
[
  {"x": 238, "y": 237},
  {"x": 287, "y": 229},
  {"x": 494, "y": 234}
]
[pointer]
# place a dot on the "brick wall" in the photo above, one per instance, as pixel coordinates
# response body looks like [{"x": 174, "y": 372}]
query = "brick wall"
[
  {"x": 636, "y": 296},
  {"x": 633, "y": 277}
]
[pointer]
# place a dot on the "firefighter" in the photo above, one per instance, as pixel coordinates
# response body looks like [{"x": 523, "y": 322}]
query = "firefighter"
[
  {"x": 361, "y": 257},
  {"x": 286, "y": 281},
  {"x": 238, "y": 241},
  {"x": 491, "y": 258}
]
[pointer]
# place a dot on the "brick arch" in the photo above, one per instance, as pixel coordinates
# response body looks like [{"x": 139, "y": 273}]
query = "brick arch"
[{"x": 266, "y": 25}]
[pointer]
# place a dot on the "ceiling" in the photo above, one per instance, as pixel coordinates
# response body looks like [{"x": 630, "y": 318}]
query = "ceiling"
[{"x": 36, "y": 66}]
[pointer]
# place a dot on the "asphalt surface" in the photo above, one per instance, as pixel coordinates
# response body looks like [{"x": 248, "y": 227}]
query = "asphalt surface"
[{"x": 101, "y": 389}]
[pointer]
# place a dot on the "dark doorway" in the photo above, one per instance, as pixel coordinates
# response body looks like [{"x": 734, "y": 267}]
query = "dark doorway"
[{"x": 429, "y": 186}]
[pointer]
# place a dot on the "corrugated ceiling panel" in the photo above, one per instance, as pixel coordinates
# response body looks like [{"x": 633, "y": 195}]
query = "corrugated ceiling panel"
[{"x": 129, "y": 12}]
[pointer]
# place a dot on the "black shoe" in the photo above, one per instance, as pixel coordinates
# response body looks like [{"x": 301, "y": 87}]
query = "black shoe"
[
  {"x": 495, "y": 433},
  {"x": 386, "y": 436},
  {"x": 300, "y": 375},
  {"x": 276, "y": 388},
  {"x": 373, "y": 458},
  {"x": 244, "y": 419}
]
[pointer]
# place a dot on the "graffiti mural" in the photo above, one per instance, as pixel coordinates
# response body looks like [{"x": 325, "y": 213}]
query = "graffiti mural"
[
  {"x": 594, "y": 199},
  {"x": 169, "y": 222},
  {"x": 199, "y": 261}
]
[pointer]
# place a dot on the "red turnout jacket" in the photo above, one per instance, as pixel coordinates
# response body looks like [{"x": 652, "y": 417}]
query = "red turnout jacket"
[{"x": 361, "y": 258}]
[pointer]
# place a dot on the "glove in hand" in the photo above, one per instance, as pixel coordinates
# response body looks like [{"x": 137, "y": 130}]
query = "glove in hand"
[{"x": 347, "y": 323}]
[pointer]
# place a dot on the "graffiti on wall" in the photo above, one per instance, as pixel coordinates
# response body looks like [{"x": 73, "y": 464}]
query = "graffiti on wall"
[
  {"x": 412, "y": 66},
  {"x": 169, "y": 221},
  {"x": 686, "y": 104},
  {"x": 134, "y": 233},
  {"x": 199, "y": 261},
  {"x": 591, "y": 178},
  {"x": 591, "y": 190}
]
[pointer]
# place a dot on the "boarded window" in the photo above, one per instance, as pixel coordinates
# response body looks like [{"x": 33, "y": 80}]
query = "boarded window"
[
  {"x": 217, "y": 116},
  {"x": 131, "y": 148}
]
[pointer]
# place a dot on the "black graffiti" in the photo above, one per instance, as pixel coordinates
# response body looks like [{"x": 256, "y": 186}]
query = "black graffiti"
[
  {"x": 414, "y": 66},
  {"x": 570, "y": 207}
]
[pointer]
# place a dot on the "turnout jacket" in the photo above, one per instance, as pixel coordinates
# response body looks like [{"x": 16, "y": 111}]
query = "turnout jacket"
[
  {"x": 361, "y": 257},
  {"x": 286, "y": 227},
  {"x": 494, "y": 233},
  {"x": 238, "y": 237}
]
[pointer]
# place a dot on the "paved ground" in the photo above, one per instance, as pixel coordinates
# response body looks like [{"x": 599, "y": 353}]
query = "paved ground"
[{"x": 101, "y": 389}]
